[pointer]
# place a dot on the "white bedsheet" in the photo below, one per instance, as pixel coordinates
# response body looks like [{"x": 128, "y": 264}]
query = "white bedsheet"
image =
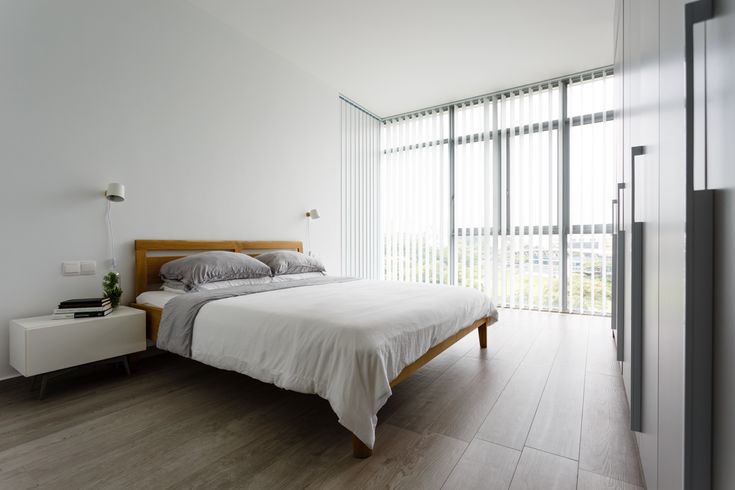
[{"x": 343, "y": 341}]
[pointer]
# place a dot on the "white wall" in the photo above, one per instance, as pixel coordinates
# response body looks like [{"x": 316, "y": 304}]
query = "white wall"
[{"x": 214, "y": 137}]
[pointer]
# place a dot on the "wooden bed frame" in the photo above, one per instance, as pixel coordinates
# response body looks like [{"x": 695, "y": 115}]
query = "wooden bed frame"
[{"x": 150, "y": 255}]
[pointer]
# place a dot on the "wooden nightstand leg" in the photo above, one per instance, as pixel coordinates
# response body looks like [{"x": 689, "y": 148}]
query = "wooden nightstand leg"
[
  {"x": 44, "y": 382},
  {"x": 34, "y": 383}
]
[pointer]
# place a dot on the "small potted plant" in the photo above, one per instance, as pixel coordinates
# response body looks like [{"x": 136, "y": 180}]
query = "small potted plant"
[{"x": 111, "y": 288}]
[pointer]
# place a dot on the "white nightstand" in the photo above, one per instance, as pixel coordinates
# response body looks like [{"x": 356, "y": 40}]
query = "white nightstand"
[{"x": 42, "y": 345}]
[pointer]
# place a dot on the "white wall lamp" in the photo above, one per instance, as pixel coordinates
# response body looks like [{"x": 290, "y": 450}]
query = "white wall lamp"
[
  {"x": 115, "y": 193},
  {"x": 310, "y": 215}
]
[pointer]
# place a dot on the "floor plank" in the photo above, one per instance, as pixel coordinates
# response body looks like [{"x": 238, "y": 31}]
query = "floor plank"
[
  {"x": 404, "y": 459},
  {"x": 593, "y": 481},
  {"x": 464, "y": 414},
  {"x": 544, "y": 349},
  {"x": 557, "y": 424},
  {"x": 510, "y": 419},
  {"x": 572, "y": 351},
  {"x": 538, "y": 470},
  {"x": 517, "y": 347},
  {"x": 484, "y": 466},
  {"x": 602, "y": 357},
  {"x": 425, "y": 408},
  {"x": 608, "y": 446}
]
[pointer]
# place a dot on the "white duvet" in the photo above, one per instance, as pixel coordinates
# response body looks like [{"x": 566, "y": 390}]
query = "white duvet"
[{"x": 343, "y": 341}]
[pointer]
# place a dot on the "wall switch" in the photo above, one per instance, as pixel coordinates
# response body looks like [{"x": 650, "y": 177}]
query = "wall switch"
[
  {"x": 72, "y": 268},
  {"x": 88, "y": 267}
]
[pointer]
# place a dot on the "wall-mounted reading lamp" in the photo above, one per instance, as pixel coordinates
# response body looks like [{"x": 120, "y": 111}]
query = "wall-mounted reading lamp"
[
  {"x": 115, "y": 193},
  {"x": 310, "y": 215}
]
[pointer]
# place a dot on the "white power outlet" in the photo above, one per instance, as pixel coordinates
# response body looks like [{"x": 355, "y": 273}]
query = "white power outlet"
[
  {"x": 71, "y": 268},
  {"x": 88, "y": 267}
]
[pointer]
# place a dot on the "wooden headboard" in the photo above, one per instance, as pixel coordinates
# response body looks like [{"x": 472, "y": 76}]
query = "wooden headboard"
[{"x": 150, "y": 255}]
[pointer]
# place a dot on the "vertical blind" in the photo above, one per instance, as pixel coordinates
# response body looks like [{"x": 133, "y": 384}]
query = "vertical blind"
[
  {"x": 508, "y": 193},
  {"x": 360, "y": 158},
  {"x": 529, "y": 238},
  {"x": 591, "y": 190},
  {"x": 415, "y": 197}
]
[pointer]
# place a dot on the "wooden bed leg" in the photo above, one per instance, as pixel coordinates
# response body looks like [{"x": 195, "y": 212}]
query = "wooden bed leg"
[
  {"x": 482, "y": 332},
  {"x": 360, "y": 450}
]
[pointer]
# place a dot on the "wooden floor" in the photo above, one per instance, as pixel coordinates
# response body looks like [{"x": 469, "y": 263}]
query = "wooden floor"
[{"x": 543, "y": 407}]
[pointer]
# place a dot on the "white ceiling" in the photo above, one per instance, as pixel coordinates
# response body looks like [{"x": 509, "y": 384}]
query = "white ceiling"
[{"x": 393, "y": 56}]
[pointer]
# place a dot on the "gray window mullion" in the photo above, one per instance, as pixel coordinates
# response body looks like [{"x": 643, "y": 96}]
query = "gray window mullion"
[
  {"x": 452, "y": 265},
  {"x": 564, "y": 194}
]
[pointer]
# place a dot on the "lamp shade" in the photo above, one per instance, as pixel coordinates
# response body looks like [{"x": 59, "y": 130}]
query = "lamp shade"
[
  {"x": 313, "y": 214},
  {"x": 115, "y": 192}
]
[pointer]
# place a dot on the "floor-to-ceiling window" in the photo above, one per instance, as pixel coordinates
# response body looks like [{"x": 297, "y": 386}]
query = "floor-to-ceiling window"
[{"x": 509, "y": 193}]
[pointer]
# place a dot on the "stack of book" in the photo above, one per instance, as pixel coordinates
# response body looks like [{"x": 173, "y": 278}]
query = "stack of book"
[{"x": 83, "y": 308}]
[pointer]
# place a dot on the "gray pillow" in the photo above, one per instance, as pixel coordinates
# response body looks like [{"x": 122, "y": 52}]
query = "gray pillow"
[
  {"x": 290, "y": 262},
  {"x": 213, "y": 266}
]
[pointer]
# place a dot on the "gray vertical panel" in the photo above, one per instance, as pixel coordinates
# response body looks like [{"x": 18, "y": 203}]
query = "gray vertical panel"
[
  {"x": 636, "y": 328},
  {"x": 698, "y": 296}
]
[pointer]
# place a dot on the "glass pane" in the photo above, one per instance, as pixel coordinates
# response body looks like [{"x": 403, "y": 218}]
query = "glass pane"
[{"x": 590, "y": 96}]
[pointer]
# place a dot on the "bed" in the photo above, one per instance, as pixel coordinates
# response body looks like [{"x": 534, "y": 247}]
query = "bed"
[{"x": 350, "y": 341}]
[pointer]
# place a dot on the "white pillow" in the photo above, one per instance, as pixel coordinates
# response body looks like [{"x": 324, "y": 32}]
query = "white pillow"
[
  {"x": 233, "y": 283},
  {"x": 296, "y": 277}
]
